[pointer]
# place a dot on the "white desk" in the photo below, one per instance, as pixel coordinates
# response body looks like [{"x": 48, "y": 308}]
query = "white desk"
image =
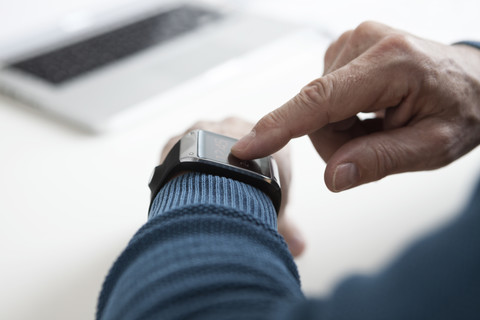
[{"x": 69, "y": 202}]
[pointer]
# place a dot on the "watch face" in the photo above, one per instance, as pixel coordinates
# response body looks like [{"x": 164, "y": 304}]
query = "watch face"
[{"x": 216, "y": 147}]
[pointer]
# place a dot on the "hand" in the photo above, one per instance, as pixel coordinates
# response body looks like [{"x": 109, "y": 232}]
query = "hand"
[
  {"x": 236, "y": 128},
  {"x": 425, "y": 96}
]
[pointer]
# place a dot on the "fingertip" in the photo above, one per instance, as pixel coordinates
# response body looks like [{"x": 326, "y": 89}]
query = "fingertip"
[
  {"x": 293, "y": 237},
  {"x": 296, "y": 245},
  {"x": 268, "y": 136},
  {"x": 328, "y": 177},
  {"x": 241, "y": 148},
  {"x": 255, "y": 145}
]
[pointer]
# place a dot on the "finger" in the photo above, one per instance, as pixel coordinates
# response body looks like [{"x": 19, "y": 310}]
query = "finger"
[
  {"x": 355, "y": 43},
  {"x": 335, "y": 49},
  {"x": 331, "y": 137},
  {"x": 292, "y": 235},
  {"x": 425, "y": 146},
  {"x": 360, "y": 86}
]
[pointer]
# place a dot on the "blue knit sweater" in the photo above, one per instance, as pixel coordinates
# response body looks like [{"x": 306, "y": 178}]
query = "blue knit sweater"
[{"x": 210, "y": 250}]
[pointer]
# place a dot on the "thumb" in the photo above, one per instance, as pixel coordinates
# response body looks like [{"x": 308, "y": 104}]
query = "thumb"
[{"x": 372, "y": 157}]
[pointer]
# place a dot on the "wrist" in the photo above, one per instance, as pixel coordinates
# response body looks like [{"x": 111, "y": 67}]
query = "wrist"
[
  {"x": 468, "y": 58},
  {"x": 193, "y": 188},
  {"x": 208, "y": 152}
]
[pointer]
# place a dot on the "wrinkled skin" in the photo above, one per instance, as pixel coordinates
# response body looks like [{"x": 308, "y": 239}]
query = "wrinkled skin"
[{"x": 425, "y": 97}]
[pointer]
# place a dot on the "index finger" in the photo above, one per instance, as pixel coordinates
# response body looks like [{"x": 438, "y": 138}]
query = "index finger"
[{"x": 364, "y": 85}]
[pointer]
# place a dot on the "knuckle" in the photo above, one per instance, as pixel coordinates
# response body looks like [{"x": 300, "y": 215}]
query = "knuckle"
[
  {"x": 404, "y": 53},
  {"x": 316, "y": 96},
  {"x": 310, "y": 106},
  {"x": 386, "y": 159},
  {"x": 274, "y": 119},
  {"x": 365, "y": 29},
  {"x": 279, "y": 118},
  {"x": 446, "y": 142},
  {"x": 398, "y": 43},
  {"x": 335, "y": 49},
  {"x": 429, "y": 77},
  {"x": 344, "y": 37},
  {"x": 330, "y": 56},
  {"x": 316, "y": 93}
]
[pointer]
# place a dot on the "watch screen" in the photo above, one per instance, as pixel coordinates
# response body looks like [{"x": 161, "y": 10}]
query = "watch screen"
[{"x": 216, "y": 147}]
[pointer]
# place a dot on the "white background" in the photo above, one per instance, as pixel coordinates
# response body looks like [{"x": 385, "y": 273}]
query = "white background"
[{"x": 69, "y": 202}]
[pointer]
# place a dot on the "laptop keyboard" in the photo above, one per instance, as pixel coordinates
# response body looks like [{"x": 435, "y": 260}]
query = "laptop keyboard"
[{"x": 69, "y": 62}]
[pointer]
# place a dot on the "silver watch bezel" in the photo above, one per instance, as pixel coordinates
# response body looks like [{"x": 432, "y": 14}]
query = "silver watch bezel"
[{"x": 189, "y": 152}]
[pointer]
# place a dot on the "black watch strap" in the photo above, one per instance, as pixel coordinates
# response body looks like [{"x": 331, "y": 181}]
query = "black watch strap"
[
  {"x": 203, "y": 151},
  {"x": 163, "y": 172}
]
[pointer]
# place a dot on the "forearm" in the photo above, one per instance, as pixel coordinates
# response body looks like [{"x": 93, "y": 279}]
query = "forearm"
[{"x": 209, "y": 250}]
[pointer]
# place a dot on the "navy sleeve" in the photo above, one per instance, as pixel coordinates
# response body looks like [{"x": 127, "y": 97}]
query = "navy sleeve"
[
  {"x": 438, "y": 277},
  {"x": 210, "y": 250},
  {"x": 475, "y": 44}
]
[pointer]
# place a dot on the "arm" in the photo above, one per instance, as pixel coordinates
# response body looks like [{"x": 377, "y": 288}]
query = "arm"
[{"x": 209, "y": 250}]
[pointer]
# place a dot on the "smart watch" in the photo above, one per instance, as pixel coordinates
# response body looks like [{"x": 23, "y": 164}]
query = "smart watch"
[{"x": 208, "y": 152}]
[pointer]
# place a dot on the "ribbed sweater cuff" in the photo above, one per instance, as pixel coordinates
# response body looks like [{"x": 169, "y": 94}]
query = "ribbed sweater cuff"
[{"x": 198, "y": 188}]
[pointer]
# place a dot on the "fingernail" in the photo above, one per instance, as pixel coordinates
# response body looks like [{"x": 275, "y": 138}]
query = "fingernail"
[
  {"x": 345, "y": 176},
  {"x": 244, "y": 142}
]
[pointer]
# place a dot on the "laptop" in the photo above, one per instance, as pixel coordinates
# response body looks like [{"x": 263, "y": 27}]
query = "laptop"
[{"x": 96, "y": 70}]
